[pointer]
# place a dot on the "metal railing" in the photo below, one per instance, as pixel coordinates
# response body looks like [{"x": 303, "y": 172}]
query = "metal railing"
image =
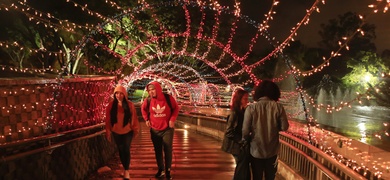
[
  {"x": 311, "y": 162},
  {"x": 47, "y": 143}
]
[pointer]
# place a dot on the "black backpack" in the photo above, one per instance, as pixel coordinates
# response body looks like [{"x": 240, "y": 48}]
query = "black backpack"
[{"x": 167, "y": 98}]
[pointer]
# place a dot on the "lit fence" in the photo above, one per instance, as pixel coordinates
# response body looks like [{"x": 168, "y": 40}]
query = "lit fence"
[{"x": 310, "y": 162}]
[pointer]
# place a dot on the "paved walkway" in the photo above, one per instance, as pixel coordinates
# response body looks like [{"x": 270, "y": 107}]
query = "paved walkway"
[{"x": 195, "y": 156}]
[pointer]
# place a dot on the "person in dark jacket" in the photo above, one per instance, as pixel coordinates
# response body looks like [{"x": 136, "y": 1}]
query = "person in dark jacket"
[
  {"x": 161, "y": 119},
  {"x": 233, "y": 134},
  {"x": 264, "y": 119}
]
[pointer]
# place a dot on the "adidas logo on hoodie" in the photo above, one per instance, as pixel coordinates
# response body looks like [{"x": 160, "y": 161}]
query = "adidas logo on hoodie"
[{"x": 158, "y": 111}]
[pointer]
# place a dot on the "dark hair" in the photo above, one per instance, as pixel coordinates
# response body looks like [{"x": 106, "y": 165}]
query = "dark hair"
[
  {"x": 267, "y": 88},
  {"x": 114, "y": 110},
  {"x": 236, "y": 99}
]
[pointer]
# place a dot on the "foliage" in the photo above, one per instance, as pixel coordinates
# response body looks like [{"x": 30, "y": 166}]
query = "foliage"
[
  {"x": 382, "y": 91},
  {"x": 366, "y": 68},
  {"x": 135, "y": 30},
  {"x": 386, "y": 57},
  {"x": 345, "y": 25},
  {"x": 40, "y": 40}
]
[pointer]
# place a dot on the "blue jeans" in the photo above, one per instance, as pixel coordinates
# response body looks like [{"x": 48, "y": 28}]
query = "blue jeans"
[
  {"x": 162, "y": 140},
  {"x": 123, "y": 142}
]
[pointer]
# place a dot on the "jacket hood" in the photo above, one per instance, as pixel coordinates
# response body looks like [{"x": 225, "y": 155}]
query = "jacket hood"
[
  {"x": 157, "y": 86},
  {"x": 120, "y": 88}
]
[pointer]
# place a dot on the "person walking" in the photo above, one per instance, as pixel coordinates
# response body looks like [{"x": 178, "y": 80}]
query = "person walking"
[
  {"x": 233, "y": 134},
  {"x": 160, "y": 112},
  {"x": 263, "y": 120},
  {"x": 122, "y": 125}
]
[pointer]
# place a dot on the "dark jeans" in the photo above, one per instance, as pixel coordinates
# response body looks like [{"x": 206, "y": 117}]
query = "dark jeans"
[
  {"x": 123, "y": 142},
  {"x": 163, "y": 140},
  {"x": 268, "y": 166},
  {"x": 242, "y": 170}
]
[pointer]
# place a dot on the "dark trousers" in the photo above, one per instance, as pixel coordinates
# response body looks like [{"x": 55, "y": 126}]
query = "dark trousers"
[
  {"x": 162, "y": 140},
  {"x": 242, "y": 170},
  {"x": 268, "y": 167},
  {"x": 123, "y": 142}
]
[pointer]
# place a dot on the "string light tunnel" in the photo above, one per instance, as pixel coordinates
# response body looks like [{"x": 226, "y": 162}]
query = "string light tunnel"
[{"x": 200, "y": 40}]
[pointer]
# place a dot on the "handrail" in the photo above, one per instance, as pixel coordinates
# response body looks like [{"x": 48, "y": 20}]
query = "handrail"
[
  {"x": 30, "y": 140},
  {"x": 208, "y": 115},
  {"x": 31, "y": 152},
  {"x": 323, "y": 168},
  {"x": 48, "y": 148},
  {"x": 215, "y": 117},
  {"x": 49, "y": 139},
  {"x": 349, "y": 172},
  {"x": 46, "y": 137}
]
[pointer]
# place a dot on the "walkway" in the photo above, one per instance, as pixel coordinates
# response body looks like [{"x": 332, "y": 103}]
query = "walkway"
[{"x": 195, "y": 157}]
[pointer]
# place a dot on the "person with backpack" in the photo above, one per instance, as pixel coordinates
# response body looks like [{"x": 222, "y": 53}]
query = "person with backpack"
[{"x": 160, "y": 112}]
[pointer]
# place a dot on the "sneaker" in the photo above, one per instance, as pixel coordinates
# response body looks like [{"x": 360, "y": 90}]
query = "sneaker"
[
  {"x": 168, "y": 174},
  {"x": 159, "y": 174},
  {"x": 126, "y": 175}
]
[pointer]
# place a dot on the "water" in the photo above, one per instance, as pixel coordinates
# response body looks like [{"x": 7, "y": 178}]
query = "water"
[{"x": 363, "y": 122}]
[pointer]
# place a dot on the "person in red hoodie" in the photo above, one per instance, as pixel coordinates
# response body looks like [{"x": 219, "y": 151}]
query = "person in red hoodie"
[
  {"x": 161, "y": 119},
  {"x": 122, "y": 125}
]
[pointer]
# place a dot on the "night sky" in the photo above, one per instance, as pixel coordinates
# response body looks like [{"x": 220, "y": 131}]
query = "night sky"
[
  {"x": 288, "y": 13},
  {"x": 336, "y": 7}
]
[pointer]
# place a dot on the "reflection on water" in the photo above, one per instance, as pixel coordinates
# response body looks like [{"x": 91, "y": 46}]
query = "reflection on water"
[
  {"x": 357, "y": 122},
  {"x": 362, "y": 128},
  {"x": 364, "y": 122}
]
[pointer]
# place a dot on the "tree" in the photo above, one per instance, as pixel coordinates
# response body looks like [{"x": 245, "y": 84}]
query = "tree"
[
  {"x": 17, "y": 55},
  {"x": 367, "y": 69},
  {"x": 382, "y": 91},
  {"x": 135, "y": 29},
  {"x": 386, "y": 57},
  {"x": 43, "y": 37},
  {"x": 346, "y": 25}
]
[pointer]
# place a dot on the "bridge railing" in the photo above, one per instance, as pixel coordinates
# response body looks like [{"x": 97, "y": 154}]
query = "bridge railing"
[
  {"x": 305, "y": 160},
  {"x": 73, "y": 154},
  {"x": 311, "y": 162}
]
